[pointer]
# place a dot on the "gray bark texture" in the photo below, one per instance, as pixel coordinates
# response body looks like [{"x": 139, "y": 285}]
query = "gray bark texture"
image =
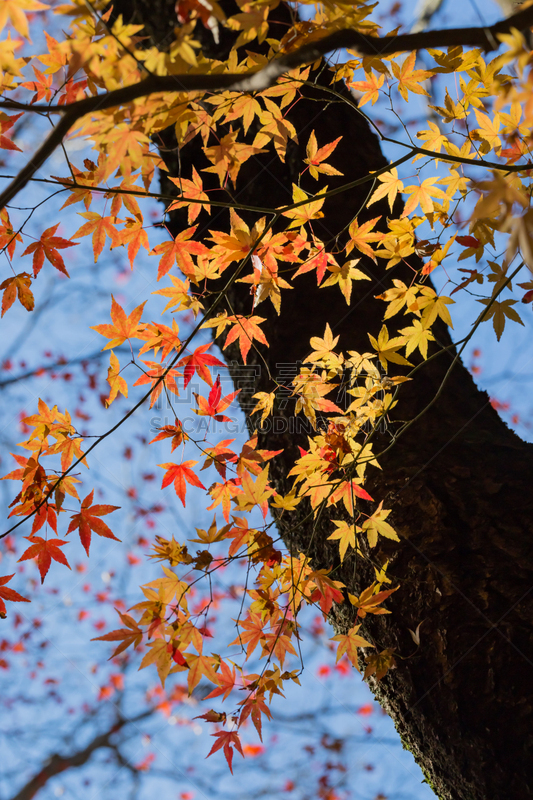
[{"x": 458, "y": 481}]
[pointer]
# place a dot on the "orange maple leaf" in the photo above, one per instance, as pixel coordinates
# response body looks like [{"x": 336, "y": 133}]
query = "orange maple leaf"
[
  {"x": 245, "y": 329},
  {"x": 42, "y": 86},
  {"x": 115, "y": 381},
  {"x": 192, "y": 190},
  {"x": 316, "y": 156},
  {"x": 178, "y": 474},
  {"x": 48, "y": 245},
  {"x": 153, "y": 374},
  {"x": 349, "y": 643},
  {"x": 131, "y": 635},
  {"x": 123, "y": 327},
  {"x": 19, "y": 284},
  {"x": 179, "y": 251},
  {"x": 175, "y": 432},
  {"x": 44, "y": 550},
  {"x": 370, "y": 87},
  {"x": 89, "y": 520},
  {"x": 100, "y": 227}
]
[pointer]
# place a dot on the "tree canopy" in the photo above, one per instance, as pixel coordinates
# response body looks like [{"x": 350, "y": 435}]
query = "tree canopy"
[{"x": 376, "y": 484}]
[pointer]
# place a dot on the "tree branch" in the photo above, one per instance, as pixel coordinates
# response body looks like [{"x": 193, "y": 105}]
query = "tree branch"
[
  {"x": 57, "y": 763},
  {"x": 253, "y": 81}
]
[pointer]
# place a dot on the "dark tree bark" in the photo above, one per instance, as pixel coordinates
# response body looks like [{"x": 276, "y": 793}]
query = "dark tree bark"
[{"x": 458, "y": 482}]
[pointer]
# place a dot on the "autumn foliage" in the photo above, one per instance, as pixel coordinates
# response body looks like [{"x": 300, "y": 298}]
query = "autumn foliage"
[{"x": 468, "y": 192}]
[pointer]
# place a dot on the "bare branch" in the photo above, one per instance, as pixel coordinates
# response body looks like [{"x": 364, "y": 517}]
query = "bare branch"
[{"x": 57, "y": 763}]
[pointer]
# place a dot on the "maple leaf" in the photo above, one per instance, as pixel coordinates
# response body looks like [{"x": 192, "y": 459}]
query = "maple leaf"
[
  {"x": 8, "y": 237},
  {"x": 499, "y": 310},
  {"x": 344, "y": 276},
  {"x": 135, "y": 236},
  {"x": 198, "y": 362},
  {"x": 308, "y": 209},
  {"x": 255, "y": 493},
  {"x": 376, "y": 524},
  {"x": 390, "y": 186},
  {"x": 348, "y": 644},
  {"x": 222, "y": 493},
  {"x": 100, "y": 227},
  {"x": 13, "y": 10},
  {"x": 89, "y": 520},
  {"x": 386, "y": 348},
  {"x": 227, "y": 740},
  {"x": 153, "y": 375},
  {"x": 370, "y": 87},
  {"x": 116, "y": 383},
  {"x": 215, "y": 403},
  {"x": 200, "y": 665},
  {"x": 179, "y": 251},
  {"x": 192, "y": 190},
  {"x": 49, "y": 245},
  {"x": 316, "y": 156},
  {"x": 123, "y": 327},
  {"x": 179, "y": 474},
  {"x": 42, "y": 86},
  {"x": 368, "y": 602},
  {"x": 229, "y": 156},
  {"x": 245, "y": 329},
  {"x": 226, "y": 680},
  {"x": 378, "y": 664},
  {"x": 489, "y": 130},
  {"x": 44, "y": 550},
  {"x": 9, "y": 594},
  {"x": 125, "y": 146},
  {"x": 244, "y": 107},
  {"x": 361, "y": 235},
  {"x": 252, "y": 634},
  {"x": 265, "y": 403},
  {"x": 421, "y": 195},
  {"x": 5, "y": 124},
  {"x": 19, "y": 285},
  {"x": 417, "y": 336},
  {"x": 130, "y": 635},
  {"x": 409, "y": 79},
  {"x": 160, "y": 337},
  {"x": 345, "y": 534},
  {"x": 175, "y": 432},
  {"x": 347, "y": 492}
]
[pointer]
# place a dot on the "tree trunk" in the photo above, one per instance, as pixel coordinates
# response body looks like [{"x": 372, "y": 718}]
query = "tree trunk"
[{"x": 458, "y": 482}]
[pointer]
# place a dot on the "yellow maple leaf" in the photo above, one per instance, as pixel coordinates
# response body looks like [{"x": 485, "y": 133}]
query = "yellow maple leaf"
[
  {"x": 309, "y": 208},
  {"x": 409, "y": 79},
  {"x": 390, "y": 186},
  {"x": 14, "y": 11},
  {"x": 369, "y": 87}
]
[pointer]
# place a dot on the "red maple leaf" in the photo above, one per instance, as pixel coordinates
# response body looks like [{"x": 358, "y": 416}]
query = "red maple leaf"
[
  {"x": 215, "y": 403},
  {"x": 44, "y": 551},
  {"x": 199, "y": 361},
  {"x": 226, "y": 739},
  {"x": 49, "y": 245},
  {"x": 9, "y": 594},
  {"x": 5, "y": 124},
  {"x": 88, "y": 520}
]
